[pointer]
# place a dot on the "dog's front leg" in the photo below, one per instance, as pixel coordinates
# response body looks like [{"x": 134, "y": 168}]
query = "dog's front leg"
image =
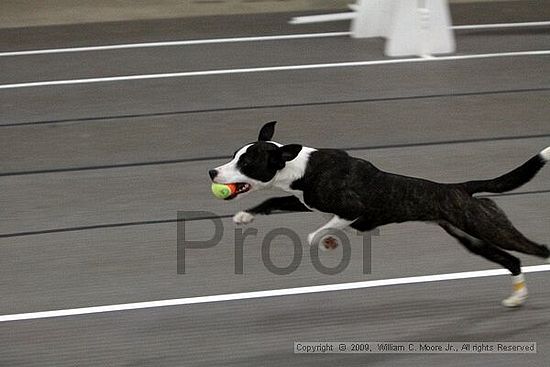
[
  {"x": 335, "y": 223},
  {"x": 284, "y": 203}
]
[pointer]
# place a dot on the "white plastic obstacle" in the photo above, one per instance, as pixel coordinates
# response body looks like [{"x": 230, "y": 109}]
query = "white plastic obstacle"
[{"x": 411, "y": 27}]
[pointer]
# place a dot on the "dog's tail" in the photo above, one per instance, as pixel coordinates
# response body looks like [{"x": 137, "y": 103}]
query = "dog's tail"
[{"x": 511, "y": 180}]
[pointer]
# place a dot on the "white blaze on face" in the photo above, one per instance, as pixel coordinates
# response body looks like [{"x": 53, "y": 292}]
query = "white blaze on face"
[{"x": 229, "y": 172}]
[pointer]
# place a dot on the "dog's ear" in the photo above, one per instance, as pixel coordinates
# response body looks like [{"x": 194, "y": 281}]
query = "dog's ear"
[
  {"x": 286, "y": 153},
  {"x": 290, "y": 151},
  {"x": 267, "y": 131}
]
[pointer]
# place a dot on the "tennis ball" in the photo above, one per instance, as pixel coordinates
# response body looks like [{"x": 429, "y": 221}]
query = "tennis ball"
[{"x": 222, "y": 191}]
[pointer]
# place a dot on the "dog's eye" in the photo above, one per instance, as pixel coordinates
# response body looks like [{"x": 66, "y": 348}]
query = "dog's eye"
[{"x": 246, "y": 161}]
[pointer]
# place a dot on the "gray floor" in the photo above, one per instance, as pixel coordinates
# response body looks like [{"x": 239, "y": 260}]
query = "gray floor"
[{"x": 92, "y": 176}]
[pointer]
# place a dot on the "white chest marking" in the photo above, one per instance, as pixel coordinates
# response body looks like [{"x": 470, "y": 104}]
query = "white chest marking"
[{"x": 293, "y": 171}]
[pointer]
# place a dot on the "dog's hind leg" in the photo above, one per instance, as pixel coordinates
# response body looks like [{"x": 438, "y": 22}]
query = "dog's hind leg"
[
  {"x": 499, "y": 231},
  {"x": 484, "y": 249},
  {"x": 494, "y": 254}
]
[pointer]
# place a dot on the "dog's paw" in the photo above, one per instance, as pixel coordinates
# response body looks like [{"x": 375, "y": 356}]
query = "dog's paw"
[
  {"x": 515, "y": 300},
  {"x": 243, "y": 218},
  {"x": 329, "y": 243},
  {"x": 323, "y": 239}
]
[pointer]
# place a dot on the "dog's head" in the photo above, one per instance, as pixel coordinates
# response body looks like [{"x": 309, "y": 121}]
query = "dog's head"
[{"x": 255, "y": 165}]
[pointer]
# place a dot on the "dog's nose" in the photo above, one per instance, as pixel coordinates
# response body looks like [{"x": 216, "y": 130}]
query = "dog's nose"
[{"x": 213, "y": 173}]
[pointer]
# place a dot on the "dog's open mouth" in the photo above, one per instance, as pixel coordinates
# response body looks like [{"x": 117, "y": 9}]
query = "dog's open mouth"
[{"x": 240, "y": 188}]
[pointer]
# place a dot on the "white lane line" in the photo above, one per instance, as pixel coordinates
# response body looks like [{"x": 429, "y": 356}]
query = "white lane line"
[
  {"x": 322, "y": 18},
  {"x": 268, "y": 293},
  {"x": 238, "y": 39},
  {"x": 270, "y": 69},
  {"x": 501, "y": 25},
  {"x": 174, "y": 43}
]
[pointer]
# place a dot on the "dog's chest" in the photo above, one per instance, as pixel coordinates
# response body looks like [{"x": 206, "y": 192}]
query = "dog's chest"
[{"x": 300, "y": 195}]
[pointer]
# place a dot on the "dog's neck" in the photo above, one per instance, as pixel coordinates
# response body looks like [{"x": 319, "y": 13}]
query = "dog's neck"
[{"x": 294, "y": 170}]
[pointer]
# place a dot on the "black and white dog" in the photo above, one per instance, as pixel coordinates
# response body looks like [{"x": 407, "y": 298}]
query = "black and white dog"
[{"x": 358, "y": 195}]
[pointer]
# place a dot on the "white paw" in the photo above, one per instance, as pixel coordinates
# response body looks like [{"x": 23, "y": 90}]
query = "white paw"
[
  {"x": 516, "y": 299},
  {"x": 243, "y": 218},
  {"x": 325, "y": 241}
]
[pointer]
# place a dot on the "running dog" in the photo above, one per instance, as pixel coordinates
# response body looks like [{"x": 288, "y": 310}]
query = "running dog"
[{"x": 359, "y": 195}]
